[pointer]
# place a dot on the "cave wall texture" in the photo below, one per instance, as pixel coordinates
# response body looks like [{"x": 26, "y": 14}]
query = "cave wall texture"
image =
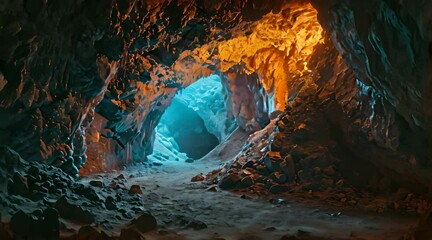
[
  {"x": 387, "y": 46},
  {"x": 63, "y": 64}
]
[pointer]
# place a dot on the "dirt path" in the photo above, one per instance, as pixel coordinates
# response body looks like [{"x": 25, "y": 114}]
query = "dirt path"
[{"x": 181, "y": 205}]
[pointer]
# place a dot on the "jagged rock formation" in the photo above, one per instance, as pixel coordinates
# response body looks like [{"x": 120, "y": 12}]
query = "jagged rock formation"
[
  {"x": 128, "y": 62},
  {"x": 387, "y": 45},
  {"x": 52, "y": 77},
  {"x": 83, "y": 85}
]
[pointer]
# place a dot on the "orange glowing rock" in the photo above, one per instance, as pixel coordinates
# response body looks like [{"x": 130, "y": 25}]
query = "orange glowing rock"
[{"x": 277, "y": 47}]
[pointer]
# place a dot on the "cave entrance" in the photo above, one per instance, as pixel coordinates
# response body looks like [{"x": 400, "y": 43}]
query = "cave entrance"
[{"x": 195, "y": 122}]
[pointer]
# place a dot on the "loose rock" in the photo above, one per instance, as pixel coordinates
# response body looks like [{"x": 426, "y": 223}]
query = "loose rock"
[
  {"x": 146, "y": 222},
  {"x": 135, "y": 189}
]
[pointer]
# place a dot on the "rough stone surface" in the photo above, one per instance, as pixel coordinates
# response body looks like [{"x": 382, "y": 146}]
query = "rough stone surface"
[
  {"x": 144, "y": 223},
  {"x": 38, "y": 225},
  {"x": 135, "y": 189},
  {"x": 74, "y": 84}
]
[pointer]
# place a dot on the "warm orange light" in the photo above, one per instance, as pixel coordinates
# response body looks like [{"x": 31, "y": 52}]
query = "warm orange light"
[{"x": 278, "y": 48}]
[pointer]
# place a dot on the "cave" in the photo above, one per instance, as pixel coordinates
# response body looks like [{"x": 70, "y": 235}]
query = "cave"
[
  {"x": 194, "y": 123},
  {"x": 188, "y": 130},
  {"x": 202, "y": 119}
]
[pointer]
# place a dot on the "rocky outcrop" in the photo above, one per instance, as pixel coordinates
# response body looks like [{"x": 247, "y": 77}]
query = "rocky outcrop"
[
  {"x": 387, "y": 45},
  {"x": 57, "y": 61},
  {"x": 60, "y": 62},
  {"x": 52, "y": 77}
]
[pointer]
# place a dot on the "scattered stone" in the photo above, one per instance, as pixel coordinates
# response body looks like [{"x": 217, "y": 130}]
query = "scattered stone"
[
  {"x": 87, "y": 192},
  {"x": 230, "y": 181},
  {"x": 120, "y": 177},
  {"x": 249, "y": 164},
  {"x": 196, "y": 225},
  {"x": 262, "y": 170},
  {"x": 247, "y": 171},
  {"x": 137, "y": 209},
  {"x": 146, "y": 222},
  {"x": 246, "y": 182},
  {"x": 135, "y": 189},
  {"x": 279, "y": 177},
  {"x": 198, "y": 178},
  {"x": 261, "y": 179},
  {"x": 18, "y": 186},
  {"x": 73, "y": 212},
  {"x": 96, "y": 183},
  {"x": 189, "y": 160},
  {"x": 127, "y": 215},
  {"x": 33, "y": 171},
  {"x": 157, "y": 163},
  {"x": 110, "y": 203}
]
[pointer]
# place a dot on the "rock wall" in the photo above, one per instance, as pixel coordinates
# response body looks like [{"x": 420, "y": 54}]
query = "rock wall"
[
  {"x": 207, "y": 97},
  {"x": 58, "y": 59},
  {"x": 247, "y": 101},
  {"x": 155, "y": 35},
  {"x": 52, "y": 77},
  {"x": 387, "y": 44},
  {"x": 60, "y": 62}
]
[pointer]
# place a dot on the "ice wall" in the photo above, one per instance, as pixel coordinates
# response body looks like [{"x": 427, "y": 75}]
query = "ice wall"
[{"x": 195, "y": 112}]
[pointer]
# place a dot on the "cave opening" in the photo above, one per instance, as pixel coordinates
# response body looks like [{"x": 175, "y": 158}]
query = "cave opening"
[
  {"x": 202, "y": 119},
  {"x": 194, "y": 123}
]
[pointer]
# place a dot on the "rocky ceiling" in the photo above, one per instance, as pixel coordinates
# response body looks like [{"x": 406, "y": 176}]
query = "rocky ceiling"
[{"x": 75, "y": 72}]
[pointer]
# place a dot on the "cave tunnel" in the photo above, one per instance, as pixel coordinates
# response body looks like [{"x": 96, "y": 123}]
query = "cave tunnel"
[
  {"x": 187, "y": 129},
  {"x": 194, "y": 123},
  {"x": 202, "y": 119}
]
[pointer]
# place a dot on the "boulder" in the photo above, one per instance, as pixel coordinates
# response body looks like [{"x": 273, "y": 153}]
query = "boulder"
[
  {"x": 135, "y": 189},
  {"x": 110, "y": 203},
  {"x": 37, "y": 225},
  {"x": 230, "y": 181},
  {"x": 18, "y": 185},
  {"x": 246, "y": 182},
  {"x": 196, "y": 225},
  {"x": 96, "y": 183},
  {"x": 198, "y": 178},
  {"x": 279, "y": 177},
  {"x": 72, "y": 212},
  {"x": 87, "y": 192},
  {"x": 144, "y": 223}
]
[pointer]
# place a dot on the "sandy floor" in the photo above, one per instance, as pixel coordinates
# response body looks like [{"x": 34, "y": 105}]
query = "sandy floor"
[{"x": 176, "y": 201}]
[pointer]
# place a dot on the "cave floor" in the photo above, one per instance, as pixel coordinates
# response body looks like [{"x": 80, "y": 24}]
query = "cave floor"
[{"x": 181, "y": 205}]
